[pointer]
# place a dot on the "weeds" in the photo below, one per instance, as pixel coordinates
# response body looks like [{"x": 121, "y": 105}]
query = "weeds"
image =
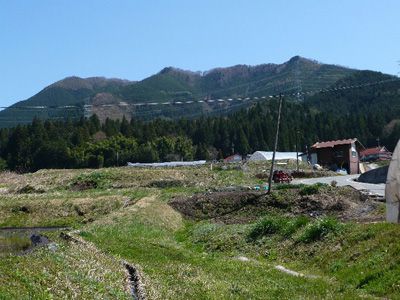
[
  {"x": 284, "y": 226},
  {"x": 319, "y": 229},
  {"x": 311, "y": 189},
  {"x": 287, "y": 227},
  {"x": 294, "y": 224},
  {"x": 94, "y": 180},
  {"x": 288, "y": 186},
  {"x": 265, "y": 226}
]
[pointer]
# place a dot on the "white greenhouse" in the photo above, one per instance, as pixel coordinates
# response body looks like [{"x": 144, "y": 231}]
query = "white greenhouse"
[{"x": 267, "y": 155}]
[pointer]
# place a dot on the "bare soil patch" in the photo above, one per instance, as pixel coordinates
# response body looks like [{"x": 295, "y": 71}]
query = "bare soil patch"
[
  {"x": 214, "y": 204},
  {"x": 344, "y": 203}
]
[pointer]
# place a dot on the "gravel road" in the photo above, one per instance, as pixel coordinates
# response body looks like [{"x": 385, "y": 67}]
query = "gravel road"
[{"x": 374, "y": 189}]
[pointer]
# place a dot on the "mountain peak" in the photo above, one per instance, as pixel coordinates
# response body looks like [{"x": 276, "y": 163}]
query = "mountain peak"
[
  {"x": 76, "y": 83},
  {"x": 298, "y": 58},
  {"x": 71, "y": 83},
  {"x": 174, "y": 70},
  {"x": 173, "y": 84}
]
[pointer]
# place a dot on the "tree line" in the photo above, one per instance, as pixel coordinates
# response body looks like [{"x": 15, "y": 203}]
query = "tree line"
[{"x": 88, "y": 143}]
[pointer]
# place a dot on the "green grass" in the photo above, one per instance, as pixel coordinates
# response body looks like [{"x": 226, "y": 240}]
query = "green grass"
[
  {"x": 181, "y": 259},
  {"x": 177, "y": 267},
  {"x": 320, "y": 228},
  {"x": 312, "y": 189},
  {"x": 276, "y": 224}
]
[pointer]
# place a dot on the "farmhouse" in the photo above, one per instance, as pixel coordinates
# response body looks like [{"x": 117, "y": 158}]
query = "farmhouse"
[
  {"x": 376, "y": 153},
  {"x": 339, "y": 154}
]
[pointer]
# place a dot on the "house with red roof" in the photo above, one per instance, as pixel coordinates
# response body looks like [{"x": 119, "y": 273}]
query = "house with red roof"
[
  {"x": 339, "y": 154},
  {"x": 376, "y": 153}
]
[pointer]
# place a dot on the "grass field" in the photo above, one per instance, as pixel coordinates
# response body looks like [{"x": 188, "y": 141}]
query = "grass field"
[{"x": 125, "y": 214}]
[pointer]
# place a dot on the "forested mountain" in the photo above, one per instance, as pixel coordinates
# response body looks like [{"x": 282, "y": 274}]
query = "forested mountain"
[
  {"x": 112, "y": 136},
  {"x": 62, "y": 99},
  {"x": 368, "y": 113},
  {"x": 112, "y": 98}
]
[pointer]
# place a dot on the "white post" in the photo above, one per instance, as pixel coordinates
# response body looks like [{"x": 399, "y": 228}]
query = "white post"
[{"x": 392, "y": 191}]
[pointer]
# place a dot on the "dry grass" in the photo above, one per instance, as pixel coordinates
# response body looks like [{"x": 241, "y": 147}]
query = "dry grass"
[
  {"x": 55, "y": 209},
  {"x": 73, "y": 272}
]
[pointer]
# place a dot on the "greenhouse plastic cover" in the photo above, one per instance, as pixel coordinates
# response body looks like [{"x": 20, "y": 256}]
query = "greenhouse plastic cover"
[{"x": 168, "y": 164}]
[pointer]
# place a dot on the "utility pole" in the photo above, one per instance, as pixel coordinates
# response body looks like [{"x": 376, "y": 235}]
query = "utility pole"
[
  {"x": 271, "y": 172},
  {"x": 297, "y": 151}
]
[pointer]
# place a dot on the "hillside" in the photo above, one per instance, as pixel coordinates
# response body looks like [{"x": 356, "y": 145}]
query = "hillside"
[
  {"x": 368, "y": 112},
  {"x": 192, "y": 233},
  {"x": 112, "y": 97},
  {"x": 71, "y": 91}
]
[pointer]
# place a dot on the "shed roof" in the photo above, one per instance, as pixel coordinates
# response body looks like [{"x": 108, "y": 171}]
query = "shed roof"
[
  {"x": 375, "y": 150},
  {"x": 331, "y": 144}
]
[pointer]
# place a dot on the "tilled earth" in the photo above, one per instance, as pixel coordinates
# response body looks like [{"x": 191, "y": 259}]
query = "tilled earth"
[{"x": 344, "y": 203}]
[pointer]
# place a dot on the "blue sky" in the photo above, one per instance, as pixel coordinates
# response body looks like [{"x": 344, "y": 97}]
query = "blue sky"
[{"x": 43, "y": 41}]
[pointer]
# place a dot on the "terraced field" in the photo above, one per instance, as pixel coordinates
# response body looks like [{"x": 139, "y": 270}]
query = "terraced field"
[{"x": 193, "y": 233}]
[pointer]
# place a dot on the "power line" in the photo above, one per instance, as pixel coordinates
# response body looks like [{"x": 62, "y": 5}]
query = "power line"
[{"x": 201, "y": 101}]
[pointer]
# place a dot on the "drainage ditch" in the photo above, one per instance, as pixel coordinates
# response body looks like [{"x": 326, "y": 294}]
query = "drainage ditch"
[
  {"x": 134, "y": 279},
  {"x": 135, "y": 282}
]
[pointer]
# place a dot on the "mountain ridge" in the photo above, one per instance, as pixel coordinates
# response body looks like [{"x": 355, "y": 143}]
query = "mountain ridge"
[{"x": 175, "y": 84}]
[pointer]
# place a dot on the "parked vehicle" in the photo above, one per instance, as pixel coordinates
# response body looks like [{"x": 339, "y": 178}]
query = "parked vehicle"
[{"x": 280, "y": 176}]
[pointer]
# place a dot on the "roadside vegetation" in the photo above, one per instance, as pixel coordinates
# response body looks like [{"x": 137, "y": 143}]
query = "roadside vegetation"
[{"x": 194, "y": 233}]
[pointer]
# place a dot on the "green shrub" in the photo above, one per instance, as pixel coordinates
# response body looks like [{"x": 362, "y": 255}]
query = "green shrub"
[
  {"x": 284, "y": 226},
  {"x": 267, "y": 225},
  {"x": 319, "y": 229},
  {"x": 312, "y": 189},
  {"x": 90, "y": 181},
  {"x": 294, "y": 224},
  {"x": 288, "y": 186}
]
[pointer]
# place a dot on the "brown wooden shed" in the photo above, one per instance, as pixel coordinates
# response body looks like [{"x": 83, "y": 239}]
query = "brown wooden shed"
[{"x": 339, "y": 154}]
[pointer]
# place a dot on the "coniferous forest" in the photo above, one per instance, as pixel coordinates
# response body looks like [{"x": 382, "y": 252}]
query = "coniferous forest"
[{"x": 88, "y": 143}]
